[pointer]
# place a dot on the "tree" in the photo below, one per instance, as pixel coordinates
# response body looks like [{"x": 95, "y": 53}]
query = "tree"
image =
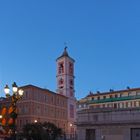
[
  {"x": 41, "y": 131},
  {"x": 52, "y": 130}
]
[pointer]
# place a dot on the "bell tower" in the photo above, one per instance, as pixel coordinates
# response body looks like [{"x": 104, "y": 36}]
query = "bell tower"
[
  {"x": 65, "y": 86},
  {"x": 65, "y": 75}
]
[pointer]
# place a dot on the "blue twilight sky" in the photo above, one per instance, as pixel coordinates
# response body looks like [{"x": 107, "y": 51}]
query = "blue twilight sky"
[{"x": 103, "y": 36}]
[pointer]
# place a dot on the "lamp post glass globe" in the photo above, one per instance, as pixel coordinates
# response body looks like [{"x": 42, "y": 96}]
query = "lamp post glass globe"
[
  {"x": 6, "y": 90},
  {"x": 0, "y": 116},
  {"x": 15, "y": 88},
  {"x": 20, "y": 92}
]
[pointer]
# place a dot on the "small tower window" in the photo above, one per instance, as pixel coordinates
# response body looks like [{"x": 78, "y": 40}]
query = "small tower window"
[
  {"x": 61, "y": 68},
  {"x": 71, "y": 82},
  {"x": 61, "y": 81},
  {"x": 71, "y": 68}
]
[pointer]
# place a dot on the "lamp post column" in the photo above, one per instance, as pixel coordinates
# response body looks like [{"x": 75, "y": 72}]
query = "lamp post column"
[{"x": 16, "y": 95}]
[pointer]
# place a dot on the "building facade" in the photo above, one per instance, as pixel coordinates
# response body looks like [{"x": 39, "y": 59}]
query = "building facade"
[
  {"x": 42, "y": 105},
  {"x": 113, "y": 115}
]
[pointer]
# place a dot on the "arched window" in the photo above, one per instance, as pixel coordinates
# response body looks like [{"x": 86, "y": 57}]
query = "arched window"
[
  {"x": 71, "y": 68},
  {"x": 61, "y": 81},
  {"x": 61, "y": 68}
]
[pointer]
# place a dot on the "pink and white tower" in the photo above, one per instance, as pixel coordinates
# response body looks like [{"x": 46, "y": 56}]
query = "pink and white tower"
[{"x": 65, "y": 86}]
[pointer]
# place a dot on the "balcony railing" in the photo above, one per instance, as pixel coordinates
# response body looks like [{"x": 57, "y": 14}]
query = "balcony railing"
[{"x": 114, "y": 99}]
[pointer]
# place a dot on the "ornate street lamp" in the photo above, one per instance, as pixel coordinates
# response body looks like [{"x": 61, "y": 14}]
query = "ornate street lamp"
[{"x": 16, "y": 95}]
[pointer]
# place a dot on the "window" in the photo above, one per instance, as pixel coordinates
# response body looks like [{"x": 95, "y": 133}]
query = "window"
[
  {"x": 95, "y": 118},
  {"x": 137, "y": 104},
  {"x": 72, "y": 111},
  {"x": 133, "y": 103},
  {"x": 61, "y": 81},
  {"x": 61, "y": 68},
  {"x": 26, "y": 94},
  {"x": 98, "y": 98},
  {"x": 20, "y": 123},
  {"x": 52, "y": 99},
  {"x": 129, "y": 104},
  {"x": 116, "y": 96},
  {"x": 104, "y": 97},
  {"x": 80, "y": 106},
  {"x": 71, "y": 82},
  {"x": 126, "y": 104},
  {"x": 110, "y": 96},
  {"x": 71, "y": 68},
  {"x": 115, "y": 105},
  {"x": 45, "y": 98},
  {"x": 121, "y": 106}
]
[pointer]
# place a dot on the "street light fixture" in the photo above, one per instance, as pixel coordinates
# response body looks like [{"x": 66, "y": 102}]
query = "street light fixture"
[
  {"x": 35, "y": 121},
  {"x": 16, "y": 95}
]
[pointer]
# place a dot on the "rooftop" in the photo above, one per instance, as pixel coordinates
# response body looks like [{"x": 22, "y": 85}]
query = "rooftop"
[{"x": 91, "y": 94}]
